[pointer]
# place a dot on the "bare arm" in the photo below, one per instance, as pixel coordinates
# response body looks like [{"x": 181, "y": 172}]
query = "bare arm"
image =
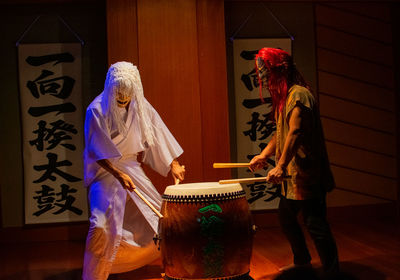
[
  {"x": 295, "y": 132},
  {"x": 269, "y": 150},
  {"x": 296, "y": 123},
  {"x": 122, "y": 177},
  {"x": 260, "y": 161}
]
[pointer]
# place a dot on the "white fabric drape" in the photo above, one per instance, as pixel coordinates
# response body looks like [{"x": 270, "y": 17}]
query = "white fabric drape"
[{"x": 121, "y": 224}]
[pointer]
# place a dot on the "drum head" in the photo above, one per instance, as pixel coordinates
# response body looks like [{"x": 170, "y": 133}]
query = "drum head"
[{"x": 207, "y": 188}]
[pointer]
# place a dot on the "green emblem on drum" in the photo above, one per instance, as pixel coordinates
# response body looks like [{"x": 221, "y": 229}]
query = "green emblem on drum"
[
  {"x": 211, "y": 207},
  {"x": 212, "y": 229}
]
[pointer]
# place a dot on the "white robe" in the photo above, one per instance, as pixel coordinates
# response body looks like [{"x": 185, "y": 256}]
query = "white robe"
[{"x": 121, "y": 224}]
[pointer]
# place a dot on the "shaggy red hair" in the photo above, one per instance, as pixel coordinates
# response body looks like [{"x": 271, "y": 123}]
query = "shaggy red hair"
[{"x": 282, "y": 74}]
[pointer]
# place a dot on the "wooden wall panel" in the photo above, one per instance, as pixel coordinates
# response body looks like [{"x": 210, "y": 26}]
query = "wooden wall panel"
[
  {"x": 368, "y": 184},
  {"x": 179, "y": 47},
  {"x": 356, "y": 91},
  {"x": 168, "y": 54},
  {"x": 354, "y": 23},
  {"x": 354, "y": 46},
  {"x": 357, "y": 114},
  {"x": 344, "y": 198},
  {"x": 357, "y": 101},
  {"x": 364, "y": 138},
  {"x": 122, "y": 31},
  {"x": 357, "y": 159},
  {"x": 371, "y": 10},
  {"x": 213, "y": 92},
  {"x": 355, "y": 68}
]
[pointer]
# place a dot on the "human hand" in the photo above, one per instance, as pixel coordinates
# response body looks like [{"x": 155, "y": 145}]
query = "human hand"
[
  {"x": 178, "y": 171},
  {"x": 276, "y": 175},
  {"x": 258, "y": 162},
  {"x": 125, "y": 181}
]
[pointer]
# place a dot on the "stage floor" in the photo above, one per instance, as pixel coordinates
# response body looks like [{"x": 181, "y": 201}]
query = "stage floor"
[{"x": 367, "y": 250}]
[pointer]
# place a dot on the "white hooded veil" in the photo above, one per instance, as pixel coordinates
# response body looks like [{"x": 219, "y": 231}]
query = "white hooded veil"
[{"x": 123, "y": 78}]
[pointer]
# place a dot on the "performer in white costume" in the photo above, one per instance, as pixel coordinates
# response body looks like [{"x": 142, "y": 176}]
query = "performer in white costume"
[{"x": 120, "y": 123}]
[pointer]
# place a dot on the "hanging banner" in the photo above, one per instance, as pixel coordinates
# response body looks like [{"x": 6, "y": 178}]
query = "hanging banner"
[
  {"x": 254, "y": 125},
  {"x": 52, "y": 129}
]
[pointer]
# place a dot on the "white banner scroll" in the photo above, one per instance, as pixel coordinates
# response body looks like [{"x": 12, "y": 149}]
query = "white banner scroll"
[{"x": 52, "y": 131}]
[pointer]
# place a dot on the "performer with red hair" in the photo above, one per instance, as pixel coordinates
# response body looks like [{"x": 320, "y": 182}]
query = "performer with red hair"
[{"x": 300, "y": 155}]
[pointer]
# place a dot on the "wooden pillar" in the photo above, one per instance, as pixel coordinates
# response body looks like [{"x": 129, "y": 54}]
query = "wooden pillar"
[
  {"x": 179, "y": 47},
  {"x": 213, "y": 87},
  {"x": 122, "y": 39}
]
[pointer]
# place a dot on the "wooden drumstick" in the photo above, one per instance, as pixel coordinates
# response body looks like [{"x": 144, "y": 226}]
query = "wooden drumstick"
[
  {"x": 230, "y": 165},
  {"x": 148, "y": 204},
  {"x": 248, "y": 180}
]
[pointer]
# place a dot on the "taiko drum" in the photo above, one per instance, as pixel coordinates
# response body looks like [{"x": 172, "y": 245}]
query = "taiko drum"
[{"x": 206, "y": 232}]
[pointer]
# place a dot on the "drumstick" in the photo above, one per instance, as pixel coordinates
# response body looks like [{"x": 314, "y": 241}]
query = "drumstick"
[
  {"x": 230, "y": 165},
  {"x": 148, "y": 203},
  {"x": 248, "y": 180}
]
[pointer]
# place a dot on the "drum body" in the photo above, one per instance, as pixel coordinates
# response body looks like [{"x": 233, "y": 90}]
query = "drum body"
[{"x": 206, "y": 232}]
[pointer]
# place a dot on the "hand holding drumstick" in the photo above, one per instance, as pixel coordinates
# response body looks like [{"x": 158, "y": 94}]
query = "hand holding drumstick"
[
  {"x": 178, "y": 171},
  {"x": 126, "y": 182},
  {"x": 275, "y": 175},
  {"x": 258, "y": 162}
]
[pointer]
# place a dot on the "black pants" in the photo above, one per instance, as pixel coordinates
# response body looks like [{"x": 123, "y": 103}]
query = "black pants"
[{"x": 314, "y": 214}]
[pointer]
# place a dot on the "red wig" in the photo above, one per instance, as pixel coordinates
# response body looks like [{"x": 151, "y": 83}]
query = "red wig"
[{"x": 282, "y": 74}]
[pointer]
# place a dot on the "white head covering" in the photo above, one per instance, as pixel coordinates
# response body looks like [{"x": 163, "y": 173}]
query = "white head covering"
[{"x": 124, "y": 78}]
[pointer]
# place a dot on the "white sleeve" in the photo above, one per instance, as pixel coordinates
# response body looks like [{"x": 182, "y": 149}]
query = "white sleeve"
[
  {"x": 165, "y": 149},
  {"x": 98, "y": 143}
]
